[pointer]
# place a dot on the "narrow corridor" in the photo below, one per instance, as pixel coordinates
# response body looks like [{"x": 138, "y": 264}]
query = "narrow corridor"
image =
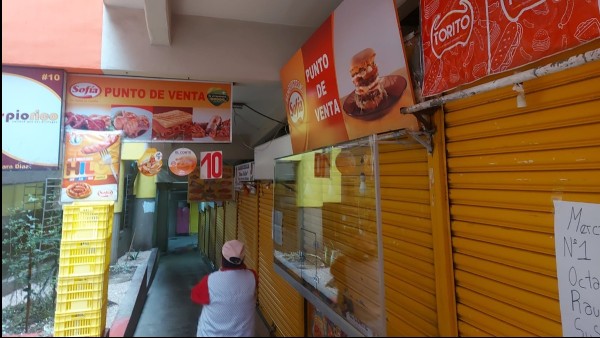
[{"x": 168, "y": 311}]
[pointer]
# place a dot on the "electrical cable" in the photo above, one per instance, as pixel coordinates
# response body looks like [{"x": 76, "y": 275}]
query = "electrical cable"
[
  {"x": 263, "y": 115},
  {"x": 234, "y": 125}
]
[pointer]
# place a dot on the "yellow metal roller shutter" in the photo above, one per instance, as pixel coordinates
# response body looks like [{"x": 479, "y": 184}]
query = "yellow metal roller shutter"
[
  {"x": 280, "y": 303},
  {"x": 230, "y": 220},
  {"x": 202, "y": 233},
  {"x": 220, "y": 232},
  {"x": 407, "y": 240},
  {"x": 506, "y": 165},
  {"x": 212, "y": 226},
  {"x": 248, "y": 227}
]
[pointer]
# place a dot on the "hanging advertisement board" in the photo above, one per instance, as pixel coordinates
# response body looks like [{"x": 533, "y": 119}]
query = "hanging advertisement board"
[
  {"x": 31, "y": 118},
  {"x": 150, "y": 163},
  {"x": 210, "y": 190},
  {"x": 149, "y": 110},
  {"x": 465, "y": 40},
  {"x": 91, "y": 167},
  {"x": 349, "y": 79},
  {"x": 243, "y": 173}
]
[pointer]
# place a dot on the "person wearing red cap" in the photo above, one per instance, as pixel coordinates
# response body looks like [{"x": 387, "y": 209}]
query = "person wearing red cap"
[{"x": 227, "y": 296}]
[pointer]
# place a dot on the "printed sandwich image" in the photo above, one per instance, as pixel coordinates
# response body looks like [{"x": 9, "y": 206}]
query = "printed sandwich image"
[
  {"x": 369, "y": 90},
  {"x": 373, "y": 93},
  {"x": 171, "y": 124}
]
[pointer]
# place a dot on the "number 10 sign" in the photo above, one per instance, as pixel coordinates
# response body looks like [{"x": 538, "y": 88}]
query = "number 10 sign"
[{"x": 211, "y": 165}]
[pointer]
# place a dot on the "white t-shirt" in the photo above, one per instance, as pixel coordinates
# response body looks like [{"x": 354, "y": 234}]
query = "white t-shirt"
[{"x": 231, "y": 309}]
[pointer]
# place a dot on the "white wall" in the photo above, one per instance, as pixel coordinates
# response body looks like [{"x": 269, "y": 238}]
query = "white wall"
[
  {"x": 203, "y": 49},
  {"x": 265, "y": 155}
]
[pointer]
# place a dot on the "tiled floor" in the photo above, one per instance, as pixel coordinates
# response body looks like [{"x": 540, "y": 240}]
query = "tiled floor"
[{"x": 168, "y": 311}]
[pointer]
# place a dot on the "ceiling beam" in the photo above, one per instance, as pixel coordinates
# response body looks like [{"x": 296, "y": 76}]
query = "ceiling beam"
[{"x": 158, "y": 21}]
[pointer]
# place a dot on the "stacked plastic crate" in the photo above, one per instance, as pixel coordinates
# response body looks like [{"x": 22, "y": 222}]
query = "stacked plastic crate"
[{"x": 82, "y": 288}]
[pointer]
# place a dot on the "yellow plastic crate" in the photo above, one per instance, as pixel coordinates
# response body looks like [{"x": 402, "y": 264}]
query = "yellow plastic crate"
[
  {"x": 80, "y": 324},
  {"x": 84, "y": 257},
  {"x": 87, "y": 221},
  {"x": 82, "y": 293}
]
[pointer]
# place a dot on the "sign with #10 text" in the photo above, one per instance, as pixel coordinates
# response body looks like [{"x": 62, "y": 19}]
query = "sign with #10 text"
[
  {"x": 211, "y": 165},
  {"x": 577, "y": 236}
]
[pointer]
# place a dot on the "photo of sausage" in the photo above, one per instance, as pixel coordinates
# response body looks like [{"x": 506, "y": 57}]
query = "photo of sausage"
[
  {"x": 94, "y": 148},
  {"x": 79, "y": 190}
]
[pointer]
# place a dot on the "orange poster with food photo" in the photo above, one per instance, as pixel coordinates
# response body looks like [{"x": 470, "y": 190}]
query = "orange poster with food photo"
[
  {"x": 91, "y": 166},
  {"x": 150, "y": 109},
  {"x": 344, "y": 84},
  {"x": 150, "y": 163},
  {"x": 201, "y": 190}
]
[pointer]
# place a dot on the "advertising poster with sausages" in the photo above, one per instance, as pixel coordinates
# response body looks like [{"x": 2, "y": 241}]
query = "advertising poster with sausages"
[
  {"x": 91, "y": 165},
  {"x": 577, "y": 241},
  {"x": 350, "y": 78},
  {"x": 31, "y": 110},
  {"x": 150, "y": 109},
  {"x": 465, "y": 40},
  {"x": 210, "y": 190}
]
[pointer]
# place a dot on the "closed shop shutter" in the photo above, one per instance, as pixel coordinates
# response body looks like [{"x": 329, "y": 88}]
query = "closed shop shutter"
[
  {"x": 202, "y": 234},
  {"x": 248, "y": 227},
  {"x": 220, "y": 232},
  {"x": 230, "y": 220},
  {"x": 212, "y": 227},
  {"x": 279, "y": 302},
  {"x": 407, "y": 239},
  {"x": 505, "y": 166}
]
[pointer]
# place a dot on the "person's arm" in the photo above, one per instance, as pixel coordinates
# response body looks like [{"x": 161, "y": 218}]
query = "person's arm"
[{"x": 200, "y": 293}]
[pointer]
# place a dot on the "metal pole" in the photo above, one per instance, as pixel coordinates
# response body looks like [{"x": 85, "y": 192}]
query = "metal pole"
[{"x": 574, "y": 61}]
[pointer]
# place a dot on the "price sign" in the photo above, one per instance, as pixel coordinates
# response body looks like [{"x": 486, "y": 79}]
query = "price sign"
[
  {"x": 211, "y": 165},
  {"x": 577, "y": 239}
]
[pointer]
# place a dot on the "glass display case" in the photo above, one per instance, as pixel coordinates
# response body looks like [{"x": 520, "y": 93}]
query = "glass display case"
[{"x": 327, "y": 233}]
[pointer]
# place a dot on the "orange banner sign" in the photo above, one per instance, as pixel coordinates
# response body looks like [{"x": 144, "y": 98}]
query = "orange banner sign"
[
  {"x": 465, "y": 40},
  {"x": 91, "y": 168},
  {"x": 150, "y": 109},
  {"x": 343, "y": 83}
]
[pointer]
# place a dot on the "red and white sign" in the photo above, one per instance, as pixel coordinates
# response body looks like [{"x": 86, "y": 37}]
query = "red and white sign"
[
  {"x": 211, "y": 165},
  {"x": 465, "y": 40}
]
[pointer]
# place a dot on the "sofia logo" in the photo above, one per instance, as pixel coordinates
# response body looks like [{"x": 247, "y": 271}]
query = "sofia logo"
[
  {"x": 295, "y": 101},
  {"x": 452, "y": 30},
  {"x": 85, "y": 90},
  {"x": 105, "y": 193}
]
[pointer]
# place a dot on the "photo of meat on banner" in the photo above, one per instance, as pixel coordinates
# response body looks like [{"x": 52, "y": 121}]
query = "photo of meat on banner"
[{"x": 135, "y": 122}]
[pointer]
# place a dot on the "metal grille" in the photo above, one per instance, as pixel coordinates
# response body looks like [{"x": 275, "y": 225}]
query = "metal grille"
[{"x": 128, "y": 202}]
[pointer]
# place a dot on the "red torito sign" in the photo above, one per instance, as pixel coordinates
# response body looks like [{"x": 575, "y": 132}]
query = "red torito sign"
[{"x": 465, "y": 40}]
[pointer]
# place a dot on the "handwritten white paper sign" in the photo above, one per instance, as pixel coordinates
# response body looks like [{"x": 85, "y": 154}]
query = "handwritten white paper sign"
[{"x": 577, "y": 236}]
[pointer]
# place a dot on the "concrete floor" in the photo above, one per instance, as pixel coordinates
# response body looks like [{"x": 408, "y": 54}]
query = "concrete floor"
[
  {"x": 168, "y": 311},
  {"x": 185, "y": 242}
]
